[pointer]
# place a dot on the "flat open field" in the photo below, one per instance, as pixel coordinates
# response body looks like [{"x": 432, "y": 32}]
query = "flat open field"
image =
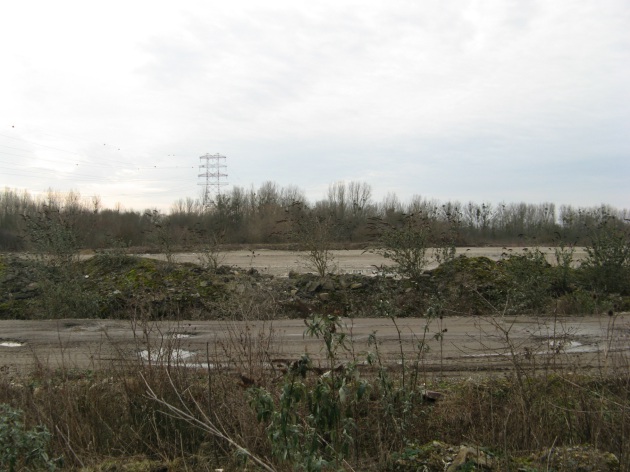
[
  {"x": 470, "y": 345},
  {"x": 279, "y": 263}
]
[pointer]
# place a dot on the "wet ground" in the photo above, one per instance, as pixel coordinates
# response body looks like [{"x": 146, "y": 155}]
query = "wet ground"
[{"x": 453, "y": 345}]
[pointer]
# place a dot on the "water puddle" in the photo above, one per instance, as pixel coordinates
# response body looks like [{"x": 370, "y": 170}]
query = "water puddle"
[
  {"x": 559, "y": 347},
  {"x": 575, "y": 346},
  {"x": 180, "y": 335},
  {"x": 211, "y": 365},
  {"x": 485, "y": 354},
  {"x": 70, "y": 326},
  {"x": 164, "y": 355}
]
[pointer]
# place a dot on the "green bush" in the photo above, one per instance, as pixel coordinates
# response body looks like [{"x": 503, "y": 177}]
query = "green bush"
[
  {"x": 518, "y": 283},
  {"x": 313, "y": 425},
  {"x": 607, "y": 266},
  {"x": 563, "y": 273},
  {"x": 527, "y": 280},
  {"x": 472, "y": 284},
  {"x": 20, "y": 448}
]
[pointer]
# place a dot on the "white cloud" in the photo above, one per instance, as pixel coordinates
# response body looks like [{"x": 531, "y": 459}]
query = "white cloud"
[{"x": 420, "y": 97}]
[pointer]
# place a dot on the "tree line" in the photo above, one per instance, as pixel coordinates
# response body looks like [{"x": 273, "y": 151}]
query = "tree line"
[{"x": 270, "y": 214}]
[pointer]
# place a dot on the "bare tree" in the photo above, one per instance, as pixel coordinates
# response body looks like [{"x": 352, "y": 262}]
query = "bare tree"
[{"x": 313, "y": 233}]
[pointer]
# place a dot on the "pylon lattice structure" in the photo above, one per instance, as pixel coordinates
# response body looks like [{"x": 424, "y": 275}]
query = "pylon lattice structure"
[{"x": 212, "y": 167}]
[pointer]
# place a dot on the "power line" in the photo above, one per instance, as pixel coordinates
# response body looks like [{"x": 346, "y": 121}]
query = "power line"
[
  {"x": 23, "y": 162},
  {"x": 65, "y": 175},
  {"x": 84, "y": 159},
  {"x": 91, "y": 164},
  {"x": 214, "y": 165},
  {"x": 57, "y": 148}
]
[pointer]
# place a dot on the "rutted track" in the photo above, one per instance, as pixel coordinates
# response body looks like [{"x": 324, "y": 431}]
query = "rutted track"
[{"x": 469, "y": 345}]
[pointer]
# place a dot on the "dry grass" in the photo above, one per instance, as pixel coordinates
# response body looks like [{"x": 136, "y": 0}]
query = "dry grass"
[{"x": 124, "y": 411}]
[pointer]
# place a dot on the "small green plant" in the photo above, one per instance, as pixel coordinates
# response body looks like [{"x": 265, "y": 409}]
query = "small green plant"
[
  {"x": 20, "y": 448},
  {"x": 313, "y": 425}
]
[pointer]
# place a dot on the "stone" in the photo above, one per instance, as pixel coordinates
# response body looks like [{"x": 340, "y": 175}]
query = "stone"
[
  {"x": 470, "y": 455},
  {"x": 584, "y": 458},
  {"x": 313, "y": 286},
  {"x": 328, "y": 285},
  {"x": 431, "y": 396}
]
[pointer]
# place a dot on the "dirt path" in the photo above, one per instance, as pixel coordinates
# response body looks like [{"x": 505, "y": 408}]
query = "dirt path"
[{"x": 469, "y": 345}]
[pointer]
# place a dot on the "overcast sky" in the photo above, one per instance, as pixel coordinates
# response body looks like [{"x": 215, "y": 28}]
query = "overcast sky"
[{"x": 492, "y": 100}]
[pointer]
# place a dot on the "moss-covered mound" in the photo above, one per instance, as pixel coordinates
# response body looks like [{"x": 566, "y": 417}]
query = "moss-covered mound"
[{"x": 106, "y": 286}]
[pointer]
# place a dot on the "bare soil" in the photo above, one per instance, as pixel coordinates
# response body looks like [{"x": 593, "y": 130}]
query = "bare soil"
[
  {"x": 453, "y": 345},
  {"x": 353, "y": 261},
  {"x": 469, "y": 344}
]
